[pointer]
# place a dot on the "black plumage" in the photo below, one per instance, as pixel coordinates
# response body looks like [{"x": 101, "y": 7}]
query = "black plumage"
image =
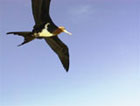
[{"x": 40, "y": 9}]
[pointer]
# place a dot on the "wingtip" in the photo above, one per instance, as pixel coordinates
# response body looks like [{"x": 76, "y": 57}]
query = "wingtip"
[{"x": 67, "y": 69}]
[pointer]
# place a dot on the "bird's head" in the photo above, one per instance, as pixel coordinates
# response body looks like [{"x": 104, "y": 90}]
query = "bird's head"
[{"x": 64, "y": 30}]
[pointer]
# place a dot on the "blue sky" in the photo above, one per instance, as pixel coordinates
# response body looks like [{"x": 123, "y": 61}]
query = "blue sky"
[{"x": 104, "y": 55}]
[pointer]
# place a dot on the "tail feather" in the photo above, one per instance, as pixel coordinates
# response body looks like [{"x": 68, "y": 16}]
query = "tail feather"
[{"x": 27, "y": 36}]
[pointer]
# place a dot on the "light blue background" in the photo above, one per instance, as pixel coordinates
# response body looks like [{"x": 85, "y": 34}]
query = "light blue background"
[{"x": 104, "y": 55}]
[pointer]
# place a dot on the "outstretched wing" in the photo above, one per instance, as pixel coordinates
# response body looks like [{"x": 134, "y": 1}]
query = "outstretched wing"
[
  {"x": 60, "y": 49},
  {"x": 40, "y": 9}
]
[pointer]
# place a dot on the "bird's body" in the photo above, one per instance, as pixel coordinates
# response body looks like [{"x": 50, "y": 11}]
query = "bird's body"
[
  {"x": 44, "y": 32},
  {"x": 44, "y": 28}
]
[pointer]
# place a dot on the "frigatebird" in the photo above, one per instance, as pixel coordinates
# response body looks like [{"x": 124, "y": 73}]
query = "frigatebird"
[{"x": 45, "y": 28}]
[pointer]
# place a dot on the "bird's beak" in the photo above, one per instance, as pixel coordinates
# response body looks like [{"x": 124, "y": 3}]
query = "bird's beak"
[{"x": 67, "y": 32}]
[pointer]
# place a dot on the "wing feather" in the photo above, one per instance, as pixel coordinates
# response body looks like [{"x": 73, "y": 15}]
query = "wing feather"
[
  {"x": 40, "y": 10},
  {"x": 60, "y": 49}
]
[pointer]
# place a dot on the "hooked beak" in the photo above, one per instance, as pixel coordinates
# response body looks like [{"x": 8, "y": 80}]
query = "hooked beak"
[{"x": 67, "y": 32}]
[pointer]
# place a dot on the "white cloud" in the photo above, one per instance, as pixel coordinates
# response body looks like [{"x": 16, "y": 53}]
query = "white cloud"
[
  {"x": 81, "y": 13},
  {"x": 82, "y": 10}
]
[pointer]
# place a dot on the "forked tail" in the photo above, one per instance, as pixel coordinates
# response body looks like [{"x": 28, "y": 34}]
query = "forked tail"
[{"x": 27, "y": 36}]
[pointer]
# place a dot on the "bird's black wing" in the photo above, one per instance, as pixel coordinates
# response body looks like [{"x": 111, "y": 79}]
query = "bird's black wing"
[
  {"x": 60, "y": 49},
  {"x": 40, "y": 9}
]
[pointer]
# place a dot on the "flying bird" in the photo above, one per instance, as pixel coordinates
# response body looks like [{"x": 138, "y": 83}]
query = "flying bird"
[{"x": 45, "y": 28}]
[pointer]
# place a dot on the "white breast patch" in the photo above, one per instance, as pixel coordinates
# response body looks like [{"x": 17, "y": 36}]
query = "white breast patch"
[{"x": 45, "y": 32}]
